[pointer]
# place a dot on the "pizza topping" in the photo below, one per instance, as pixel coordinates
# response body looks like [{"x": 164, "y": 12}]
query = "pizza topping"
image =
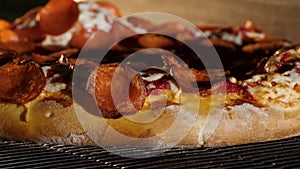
[
  {"x": 91, "y": 17},
  {"x": 94, "y": 17},
  {"x": 21, "y": 82},
  {"x": 222, "y": 34},
  {"x": 124, "y": 95},
  {"x": 158, "y": 82},
  {"x": 223, "y": 88},
  {"x": 238, "y": 35},
  {"x": 54, "y": 82},
  {"x": 133, "y": 91},
  {"x": 112, "y": 8},
  {"x": 283, "y": 59},
  {"x": 237, "y": 39},
  {"x": 275, "y": 90},
  {"x": 28, "y": 20},
  {"x": 152, "y": 77},
  {"x": 6, "y": 56},
  {"x": 119, "y": 90},
  {"x": 134, "y": 28},
  {"x": 62, "y": 39},
  {"x": 57, "y": 16},
  {"x": 61, "y": 56},
  {"x": 265, "y": 47}
]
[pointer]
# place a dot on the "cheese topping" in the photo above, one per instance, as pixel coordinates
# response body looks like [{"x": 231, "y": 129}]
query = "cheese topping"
[
  {"x": 27, "y": 24},
  {"x": 237, "y": 39},
  {"x": 61, "y": 40},
  {"x": 171, "y": 92},
  {"x": 91, "y": 17},
  {"x": 255, "y": 35},
  {"x": 276, "y": 90},
  {"x": 153, "y": 77},
  {"x": 50, "y": 85}
]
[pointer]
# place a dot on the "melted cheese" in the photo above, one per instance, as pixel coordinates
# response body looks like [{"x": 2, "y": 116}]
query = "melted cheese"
[
  {"x": 93, "y": 16},
  {"x": 255, "y": 35},
  {"x": 276, "y": 90},
  {"x": 172, "y": 95},
  {"x": 237, "y": 39},
  {"x": 153, "y": 77},
  {"x": 52, "y": 87},
  {"x": 27, "y": 24},
  {"x": 62, "y": 39}
]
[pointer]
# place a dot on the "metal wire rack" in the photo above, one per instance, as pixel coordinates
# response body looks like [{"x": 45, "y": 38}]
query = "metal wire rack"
[{"x": 283, "y": 153}]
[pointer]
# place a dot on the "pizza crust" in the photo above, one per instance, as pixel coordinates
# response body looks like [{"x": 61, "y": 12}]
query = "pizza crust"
[
  {"x": 49, "y": 121},
  {"x": 46, "y": 122},
  {"x": 246, "y": 123}
]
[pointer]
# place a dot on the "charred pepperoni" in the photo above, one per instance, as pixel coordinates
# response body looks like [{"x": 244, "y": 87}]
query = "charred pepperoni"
[
  {"x": 20, "y": 83},
  {"x": 114, "y": 98}
]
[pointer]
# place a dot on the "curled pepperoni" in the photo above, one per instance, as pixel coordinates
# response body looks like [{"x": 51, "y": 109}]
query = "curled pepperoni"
[
  {"x": 104, "y": 88},
  {"x": 21, "y": 83},
  {"x": 61, "y": 56},
  {"x": 58, "y": 16}
]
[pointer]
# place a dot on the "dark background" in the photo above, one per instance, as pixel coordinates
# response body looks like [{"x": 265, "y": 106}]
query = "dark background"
[{"x": 11, "y": 9}]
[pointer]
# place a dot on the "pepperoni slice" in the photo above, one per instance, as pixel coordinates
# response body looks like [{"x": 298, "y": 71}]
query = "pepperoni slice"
[
  {"x": 58, "y": 16},
  {"x": 21, "y": 83},
  {"x": 104, "y": 88}
]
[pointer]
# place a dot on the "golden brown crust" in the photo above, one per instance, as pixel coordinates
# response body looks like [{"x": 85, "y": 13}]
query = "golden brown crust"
[
  {"x": 246, "y": 123},
  {"x": 46, "y": 121},
  {"x": 50, "y": 122}
]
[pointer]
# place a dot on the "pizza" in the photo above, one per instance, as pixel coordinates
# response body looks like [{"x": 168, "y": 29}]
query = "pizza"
[{"x": 150, "y": 88}]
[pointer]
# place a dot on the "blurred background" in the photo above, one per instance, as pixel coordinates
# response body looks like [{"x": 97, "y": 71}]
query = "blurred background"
[
  {"x": 10, "y": 9},
  {"x": 277, "y": 17}
]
